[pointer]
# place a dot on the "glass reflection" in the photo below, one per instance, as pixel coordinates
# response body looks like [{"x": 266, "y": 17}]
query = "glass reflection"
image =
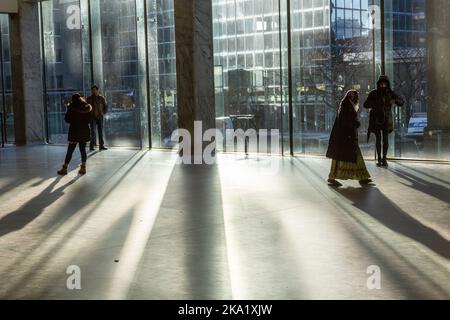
[
  {"x": 332, "y": 52},
  {"x": 63, "y": 60},
  {"x": 162, "y": 71},
  {"x": 248, "y": 73},
  {"x": 336, "y": 46}
]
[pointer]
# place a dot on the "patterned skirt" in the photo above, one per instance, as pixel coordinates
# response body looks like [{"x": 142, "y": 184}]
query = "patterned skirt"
[{"x": 341, "y": 170}]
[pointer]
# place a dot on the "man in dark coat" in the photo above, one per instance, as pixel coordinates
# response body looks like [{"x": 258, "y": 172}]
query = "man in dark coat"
[
  {"x": 380, "y": 102},
  {"x": 100, "y": 108}
]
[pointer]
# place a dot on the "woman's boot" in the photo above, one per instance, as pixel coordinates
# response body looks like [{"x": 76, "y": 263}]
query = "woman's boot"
[
  {"x": 63, "y": 170},
  {"x": 82, "y": 169}
]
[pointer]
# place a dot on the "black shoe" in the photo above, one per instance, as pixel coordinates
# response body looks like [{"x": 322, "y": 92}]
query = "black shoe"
[
  {"x": 334, "y": 183},
  {"x": 103, "y": 148},
  {"x": 92, "y": 148},
  {"x": 366, "y": 182},
  {"x": 384, "y": 163},
  {"x": 379, "y": 163}
]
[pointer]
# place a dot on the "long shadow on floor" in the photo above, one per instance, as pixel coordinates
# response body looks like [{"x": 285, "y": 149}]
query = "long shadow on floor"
[
  {"x": 27, "y": 213},
  {"x": 433, "y": 189},
  {"x": 186, "y": 256},
  {"x": 69, "y": 208},
  {"x": 376, "y": 204},
  {"x": 422, "y": 172}
]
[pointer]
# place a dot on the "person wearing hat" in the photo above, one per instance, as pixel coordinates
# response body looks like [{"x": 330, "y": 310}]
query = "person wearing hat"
[
  {"x": 79, "y": 116},
  {"x": 380, "y": 102}
]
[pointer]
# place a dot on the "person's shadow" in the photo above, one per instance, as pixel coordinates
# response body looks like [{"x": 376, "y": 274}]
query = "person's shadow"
[
  {"x": 435, "y": 190},
  {"x": 28, "y": 212},
  {"x": 376, "y": 204}
]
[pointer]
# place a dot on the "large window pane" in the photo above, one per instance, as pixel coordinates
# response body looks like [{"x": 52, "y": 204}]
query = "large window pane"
[
  {"x": 406, "y": 62},
  {"x": 248, "y": 72},
  {"x": 6, "y": 104},
  {"x": 120, "y": 70},
  {"x": 162, "y": 73},
  {"x": 64, "y": 62},
  {"x": 330, "y": 57},
  {"x": 133, "y": 50}
]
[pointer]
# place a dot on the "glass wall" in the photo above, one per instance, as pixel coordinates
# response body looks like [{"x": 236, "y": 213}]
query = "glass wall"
[
  {"x": 332, "y": 52},
  {"x": 406, "y": 62},
  {"x": 335, "y": 45},
  {"x": 6, "y": 104},
  {"x": 327, "y": 60},
  {"x": 162, "y": 71},
  {"x": 248, "y": 72},
  {"x": 117, "y": 45},
  {"x": 67, "y": 66},
  {"x": 120, "y": 70}
]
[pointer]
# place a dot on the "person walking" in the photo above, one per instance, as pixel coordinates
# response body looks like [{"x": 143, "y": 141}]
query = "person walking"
[
  {"x": 100, "y": 108},
  {"x": 343, "y": 149},
  {"x": 380, "y": 102},
  {"x": 79, "y": 116}
]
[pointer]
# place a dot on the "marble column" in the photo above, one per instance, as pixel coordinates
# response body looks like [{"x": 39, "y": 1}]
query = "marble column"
[
  {"x": 29, "y": 118},
  {"x": 437, "y": 135},
  {"x": 195, "y": 64}
]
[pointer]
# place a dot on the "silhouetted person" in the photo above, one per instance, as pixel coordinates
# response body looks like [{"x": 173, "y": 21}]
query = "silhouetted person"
[
  {"x": 100, "y": 108},
  {"x": 79, "y": 116},
  {"x": 380, "y": 102},
  {"x": 348, "y": 162}
]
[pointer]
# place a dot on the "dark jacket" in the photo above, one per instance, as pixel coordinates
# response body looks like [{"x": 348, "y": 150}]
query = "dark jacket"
[
  {"x": 379, "y": 103},
  {"x": 343, "y": 144},
  {"x": 79, "y": 116},
  {"x": 99, "y": 106}
]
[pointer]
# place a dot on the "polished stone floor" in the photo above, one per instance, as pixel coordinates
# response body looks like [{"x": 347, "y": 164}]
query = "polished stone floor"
[{"x": 141, "y": 226}]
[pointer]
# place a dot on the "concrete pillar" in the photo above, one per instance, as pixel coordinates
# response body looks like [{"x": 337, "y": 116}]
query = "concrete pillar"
[
  {"x": 26, "y": 65},
  {"x": 437, "y": 135},
  {"x": 195, "y": 64}
]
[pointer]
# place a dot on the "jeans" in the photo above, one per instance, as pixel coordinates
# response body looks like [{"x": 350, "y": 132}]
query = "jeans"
[
  {"x": 97, "y": 123},
  {"x": 71, "y": 148}
]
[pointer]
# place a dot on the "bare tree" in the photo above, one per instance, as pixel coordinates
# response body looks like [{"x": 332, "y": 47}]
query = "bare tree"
[
  {"x": 345, "y": 65},
  {"x": 409, "y": 74}
]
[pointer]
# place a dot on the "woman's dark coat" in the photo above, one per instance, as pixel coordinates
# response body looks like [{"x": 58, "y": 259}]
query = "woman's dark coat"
[
  {"x": 79, "y": 116},
  {"x": 379, "y": 103},
  {"x": 343, "y": 144}
]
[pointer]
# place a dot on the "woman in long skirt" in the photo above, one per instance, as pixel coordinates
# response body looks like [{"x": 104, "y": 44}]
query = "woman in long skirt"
[{"x": 348, "y": 162}]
